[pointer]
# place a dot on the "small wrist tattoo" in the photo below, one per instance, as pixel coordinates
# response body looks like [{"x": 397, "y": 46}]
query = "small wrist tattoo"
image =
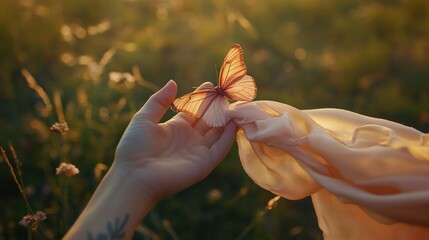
[{"x": 115, "y": 230}]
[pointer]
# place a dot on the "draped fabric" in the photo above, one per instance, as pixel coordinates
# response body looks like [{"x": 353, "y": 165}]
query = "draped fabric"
[{"x": 368, "y": 178}]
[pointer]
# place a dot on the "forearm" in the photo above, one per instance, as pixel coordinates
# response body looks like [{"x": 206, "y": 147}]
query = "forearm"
[{"x": 114, "y": 211}]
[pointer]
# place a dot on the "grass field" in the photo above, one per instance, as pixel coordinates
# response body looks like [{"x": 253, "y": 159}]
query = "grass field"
[{"x": 58, "y": 61}]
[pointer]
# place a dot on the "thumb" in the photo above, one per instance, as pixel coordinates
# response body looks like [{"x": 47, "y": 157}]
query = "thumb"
[{"x": 158, "y": 103}]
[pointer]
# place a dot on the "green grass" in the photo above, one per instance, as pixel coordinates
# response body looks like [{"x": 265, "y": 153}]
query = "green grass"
[{"x": 365, "y": 56}]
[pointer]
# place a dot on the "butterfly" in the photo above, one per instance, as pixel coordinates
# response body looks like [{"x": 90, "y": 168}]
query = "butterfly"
[{"x": 211, "y": 103}]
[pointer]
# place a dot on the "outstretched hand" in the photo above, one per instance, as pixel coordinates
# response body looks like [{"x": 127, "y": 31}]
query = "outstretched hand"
[{"x": 164, "y": 158}]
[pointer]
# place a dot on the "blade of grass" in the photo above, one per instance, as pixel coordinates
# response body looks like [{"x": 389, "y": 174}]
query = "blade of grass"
[
  {"x": 259, "y": 216},
  {"x": 12, "y": 171}
]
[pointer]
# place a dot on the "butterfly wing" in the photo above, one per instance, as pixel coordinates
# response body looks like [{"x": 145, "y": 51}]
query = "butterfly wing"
[
  {"x": 210, "y": 104},
  {"x": 214, "y": 115},
  {"x": 242, "y": 90},
  {"x": 233, "y": 79},
  {"x": 207, "y": 103},
  {"x": 195, "y": 103},
  {"x": 233, "y": 67}
]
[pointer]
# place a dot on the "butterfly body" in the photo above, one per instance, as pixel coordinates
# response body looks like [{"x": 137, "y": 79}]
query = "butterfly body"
[
  {"x": 221, "y": 92},
  {"x": 210, "y": 104}
]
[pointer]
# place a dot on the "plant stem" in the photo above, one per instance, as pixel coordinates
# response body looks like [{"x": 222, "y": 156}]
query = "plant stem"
[
  {"x": 64, "y": 203},
  {"x": 255, "y": 220},
  {"x": 21, "y": 189}
]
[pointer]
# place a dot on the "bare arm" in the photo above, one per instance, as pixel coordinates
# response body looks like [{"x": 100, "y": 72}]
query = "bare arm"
[{"x": 152, "y": 161}]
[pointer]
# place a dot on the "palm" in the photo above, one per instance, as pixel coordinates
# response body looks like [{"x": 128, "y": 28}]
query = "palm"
[{"x": 173, "y": 155}]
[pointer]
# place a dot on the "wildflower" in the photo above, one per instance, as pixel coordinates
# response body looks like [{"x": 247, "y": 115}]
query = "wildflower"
[
  {"x": 26, "y": 220},
  {"x": 39, "y": 216},
  {"x": 33, "y": 220},
  {"x": 67, "y": 169},
  {"x": 60, "y": 128}
]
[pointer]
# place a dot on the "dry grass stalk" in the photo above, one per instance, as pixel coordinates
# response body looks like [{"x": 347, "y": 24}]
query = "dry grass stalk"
[
  {"x": 32, "y": 83},
  {"x": 59, "y": 106},
  {"x": 15, "y": 178},
  {"x": 272, "y": 202},
  {"x": 107, "y": 56},
  {"x": 140, "y": 80}
]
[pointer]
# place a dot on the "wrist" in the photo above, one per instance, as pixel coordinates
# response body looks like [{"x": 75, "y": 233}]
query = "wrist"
[
  {"x": 118, "y": 198},
  {"x": 125, "y": 185},
  {"x": 137, "y": 180}
]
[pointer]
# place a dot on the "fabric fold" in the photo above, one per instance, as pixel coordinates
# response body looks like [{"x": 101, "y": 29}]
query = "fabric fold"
[{"x": 376, "y": 169}]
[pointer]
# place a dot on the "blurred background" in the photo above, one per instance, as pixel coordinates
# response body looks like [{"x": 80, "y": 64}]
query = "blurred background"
[{"x": 94, "y": 63}]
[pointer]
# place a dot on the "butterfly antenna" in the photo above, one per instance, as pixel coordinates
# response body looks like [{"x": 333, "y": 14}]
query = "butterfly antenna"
[{"x": 217, "y": 74}]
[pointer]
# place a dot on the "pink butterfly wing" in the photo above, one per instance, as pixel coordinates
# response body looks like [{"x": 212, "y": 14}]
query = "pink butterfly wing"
[
  {"x": 195, "y": 103},
  {"x": 214, "y": 116},
  {"x": 242, "y": 90},
  {"x": 210, "y": 104},
  {"x": 233, "y": 79},
  {"x": 233, "y": 67},
  {"x": 206, "y": 104}
]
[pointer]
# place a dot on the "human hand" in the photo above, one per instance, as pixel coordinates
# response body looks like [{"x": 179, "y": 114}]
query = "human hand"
[{"x": 164, "y": 158}]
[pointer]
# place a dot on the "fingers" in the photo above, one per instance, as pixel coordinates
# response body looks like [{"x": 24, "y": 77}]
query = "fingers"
[
  {"x": 213, "y": 135},
  {"x": 200, "y": 126},
  {"x": 224, "y": 141},
  {"x": 158, "y": 103}
]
